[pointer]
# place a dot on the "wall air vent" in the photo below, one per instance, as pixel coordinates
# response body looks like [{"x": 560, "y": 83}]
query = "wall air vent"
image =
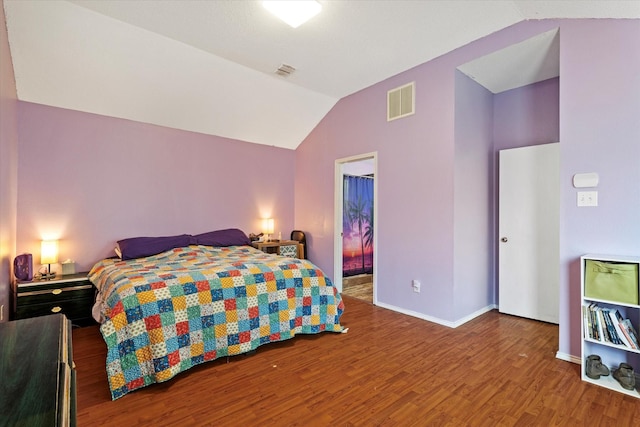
[
  {"x": 285, "y": 70},
  {"x": 401, "y": 101}
]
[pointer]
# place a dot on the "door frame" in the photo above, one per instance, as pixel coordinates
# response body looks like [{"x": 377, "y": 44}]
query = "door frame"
[{"x": 338, "y": 214}]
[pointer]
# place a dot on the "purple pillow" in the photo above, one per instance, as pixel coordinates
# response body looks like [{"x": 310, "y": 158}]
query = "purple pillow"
[
  {"x": 138, "y": 247},
  {"x": 228, "y": 237}
]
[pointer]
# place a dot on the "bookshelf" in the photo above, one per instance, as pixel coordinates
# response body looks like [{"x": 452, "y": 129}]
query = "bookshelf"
[{"x": 597, "y": 336}]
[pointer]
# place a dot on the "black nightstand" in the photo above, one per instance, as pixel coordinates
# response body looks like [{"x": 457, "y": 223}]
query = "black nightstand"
[{"x": 72, "y": 295}]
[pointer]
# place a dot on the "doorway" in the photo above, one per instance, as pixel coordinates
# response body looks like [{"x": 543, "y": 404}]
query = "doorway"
[
  {"x": 355, "y": 226},
  {"x": 529, "y": 226}
]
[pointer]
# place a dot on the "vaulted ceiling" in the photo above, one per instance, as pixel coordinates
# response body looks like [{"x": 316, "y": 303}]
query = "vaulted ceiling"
[{"x": 209, "y": 66}]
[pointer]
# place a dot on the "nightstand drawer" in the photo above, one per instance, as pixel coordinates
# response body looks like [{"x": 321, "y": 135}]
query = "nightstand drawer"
[
  {"x": 54, "y": 295},
  {"x": 76, "y": 309}
]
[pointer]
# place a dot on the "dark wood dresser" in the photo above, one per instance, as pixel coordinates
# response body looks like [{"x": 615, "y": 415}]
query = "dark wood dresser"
[{"x": 37, "y": 379}]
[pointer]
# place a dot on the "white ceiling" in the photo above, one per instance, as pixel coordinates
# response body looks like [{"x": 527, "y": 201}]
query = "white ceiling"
[
  {"x": 208, "y": 66},
  {"x": 533, "y": 60}
]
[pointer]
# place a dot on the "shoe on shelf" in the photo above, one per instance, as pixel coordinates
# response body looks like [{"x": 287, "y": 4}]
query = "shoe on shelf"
[
  {"x": 625, "y": 376},
  {"x": 595, "y": 368}
]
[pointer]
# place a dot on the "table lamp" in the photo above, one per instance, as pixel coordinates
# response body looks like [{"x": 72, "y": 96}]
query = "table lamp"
[
  {"x": 49, "y": 255},
  {"x": 267, "y": 228}
]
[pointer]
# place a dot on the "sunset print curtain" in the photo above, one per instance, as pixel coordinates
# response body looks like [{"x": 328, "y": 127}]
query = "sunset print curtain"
[{"x": 357, "y": 226}]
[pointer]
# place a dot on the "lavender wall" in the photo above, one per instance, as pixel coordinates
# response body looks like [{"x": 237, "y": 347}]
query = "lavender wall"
[
  {"x": 599, "y": 132},
  {"x": 473, "y": 256},
  {"x": 416, "y": 158},
  {"x": 8, "y": 167},
  {"x": 528, "y": 115},
  {"x": 414, "y": 181},
  {"x": 91, "y": 180}
]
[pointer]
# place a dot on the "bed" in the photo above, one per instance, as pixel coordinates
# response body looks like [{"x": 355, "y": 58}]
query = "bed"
[{"x": 164, "y": 313}]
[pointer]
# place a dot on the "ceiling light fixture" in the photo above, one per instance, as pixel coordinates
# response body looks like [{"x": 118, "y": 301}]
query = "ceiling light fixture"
[{"x": 293, "y": 12}]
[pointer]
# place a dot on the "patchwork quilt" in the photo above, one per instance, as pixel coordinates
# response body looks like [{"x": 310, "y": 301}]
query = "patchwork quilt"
[{"x": 165, "y": 313}]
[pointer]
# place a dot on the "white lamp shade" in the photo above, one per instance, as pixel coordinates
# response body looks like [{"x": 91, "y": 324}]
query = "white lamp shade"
[
  {"x": 49, "y": 252},
  {"x": 267, "y": 225}
]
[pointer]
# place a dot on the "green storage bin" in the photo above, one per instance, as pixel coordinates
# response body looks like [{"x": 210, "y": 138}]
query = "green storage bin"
[{"x": 611, "y": 281}]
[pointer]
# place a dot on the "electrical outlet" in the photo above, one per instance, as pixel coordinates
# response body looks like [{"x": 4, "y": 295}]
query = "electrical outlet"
[{"x": 415, "y": 284}]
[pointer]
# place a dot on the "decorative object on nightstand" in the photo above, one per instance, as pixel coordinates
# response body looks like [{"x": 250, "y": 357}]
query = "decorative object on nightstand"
[
  {"x": 68, "y": 267},
  {"x": 23, "y": 267},
  {"x": 48, "y": 256},
  {"x": 610, "y": 319},
  {"x": 72, "y": 295},
  {"x": 255, "y": 237}
]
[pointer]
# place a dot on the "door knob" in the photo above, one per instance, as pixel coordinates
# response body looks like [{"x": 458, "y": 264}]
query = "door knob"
[{"x": 504, "y": 240}]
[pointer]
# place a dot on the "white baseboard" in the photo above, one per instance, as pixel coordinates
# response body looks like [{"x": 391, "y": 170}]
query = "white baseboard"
[
  {"x": 439, "y": 321},
  {"x": 569, "y": 358},
  {"x": 474, "y": 315}
]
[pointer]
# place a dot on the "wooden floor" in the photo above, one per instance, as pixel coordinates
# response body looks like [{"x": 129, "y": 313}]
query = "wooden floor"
[{"x": 389, "y": 369}]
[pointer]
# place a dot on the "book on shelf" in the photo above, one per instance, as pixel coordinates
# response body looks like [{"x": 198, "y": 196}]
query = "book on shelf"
[
  {"x": 586, "y": 322},
  {"x": 594, "y": 323},
  {"x": 608, "y": 325},
  {"x": 616, "y": 318},
  {"x": 632, "y": 333},
  {"x": 591, "y": 321},
  {"x": 608, "y": 331},
  {"x": 598, "y": 323}
]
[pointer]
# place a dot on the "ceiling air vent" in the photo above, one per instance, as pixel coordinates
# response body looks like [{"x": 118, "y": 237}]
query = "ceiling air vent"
[
  {"x": 285, "y": 70},
  {"x": 401, "y": 101}
]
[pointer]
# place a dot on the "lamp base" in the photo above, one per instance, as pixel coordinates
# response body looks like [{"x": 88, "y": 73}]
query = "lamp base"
[{"x": 48, "y": 274}]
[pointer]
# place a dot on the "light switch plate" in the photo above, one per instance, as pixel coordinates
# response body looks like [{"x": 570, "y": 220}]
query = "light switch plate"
[{"x": 587, "y": 198}]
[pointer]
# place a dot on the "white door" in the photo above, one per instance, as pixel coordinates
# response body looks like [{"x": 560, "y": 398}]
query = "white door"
[{"x": 529, "y": 199}]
